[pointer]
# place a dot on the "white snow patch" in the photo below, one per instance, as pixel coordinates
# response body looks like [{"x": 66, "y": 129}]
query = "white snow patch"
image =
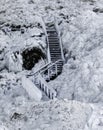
[
  {"x": 31, "y": 89},
  {"x": 3, "y": 127}
]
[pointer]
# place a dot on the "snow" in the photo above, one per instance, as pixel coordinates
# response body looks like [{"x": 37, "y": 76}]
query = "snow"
[
  {"x": 14, "y": 62},
  {"x": 48, "y": 115},
  {"x": 31, "y": 89},
  {"x": 3, "y": 127},
  {"x": 82, "y": 79},
  {"x": 96, "y": 120}
]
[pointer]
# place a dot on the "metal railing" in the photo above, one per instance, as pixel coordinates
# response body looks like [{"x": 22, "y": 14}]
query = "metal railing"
[
  {"x": 42, "y": 85},
  {"x": 39, "y": 78},
  {"x": 60, "y": 40},
  {"x": 49, "y": 70},
  {"x": 46, "y": 67},
  {"x": 38, "y": 71}
]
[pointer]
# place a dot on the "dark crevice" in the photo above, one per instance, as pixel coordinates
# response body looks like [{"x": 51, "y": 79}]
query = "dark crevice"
[
  {"x": 31, "y": 57},
  {"x": 98, "y": 10}
]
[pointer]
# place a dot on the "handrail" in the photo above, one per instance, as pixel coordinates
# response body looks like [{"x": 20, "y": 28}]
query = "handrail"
[
  {"x": 48, "y": 50},
  {"x": 50, "y": 92},
  {"x": 39, "y": 69},
  {"x": 55, "y": 63},
  {"x": 38, "y": 76},
  {"x": 48, "y": 67},
  {"x": 60, "y": 40}
]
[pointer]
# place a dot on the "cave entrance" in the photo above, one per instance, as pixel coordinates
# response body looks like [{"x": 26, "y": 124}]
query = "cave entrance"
[{"x": 31, "y": 56}]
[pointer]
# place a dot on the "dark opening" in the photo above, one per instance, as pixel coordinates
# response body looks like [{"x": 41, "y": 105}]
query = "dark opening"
[{"x": 31, "y": 57}]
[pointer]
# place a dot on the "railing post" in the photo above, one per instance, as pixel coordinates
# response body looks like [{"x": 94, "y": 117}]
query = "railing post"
[
  {"x": 49, "y": 73},
  {"x": 49, "y": 93},
  {"x": 52, "y": 95},
  {"x": 56, "y": 67},
  {"x": 39, "y": 84}
]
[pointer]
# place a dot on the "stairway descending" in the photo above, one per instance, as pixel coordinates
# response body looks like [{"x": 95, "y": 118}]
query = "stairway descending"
[
  {"x": 42, "y": 85},
  {"x": 54, "y": 45},
  {"x": 55, "y": 65}
]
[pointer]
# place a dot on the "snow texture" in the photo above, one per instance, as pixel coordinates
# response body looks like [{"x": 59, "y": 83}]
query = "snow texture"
[
  {"x": 81, "y": 26},
  {"x": 31, "y": 89}
]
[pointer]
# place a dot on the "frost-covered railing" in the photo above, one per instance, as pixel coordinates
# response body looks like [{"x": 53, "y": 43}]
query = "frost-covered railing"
[
  {"x": 48, "y": 49},
  {"x": 60, "y": 40},
  {"x": 52, "y": 70},
  {"x": 48, "y": 69},
  {"x": 46, "y": 73},
  {"x": 39, "y": 70},
  {"x": 42, "y": 85}
]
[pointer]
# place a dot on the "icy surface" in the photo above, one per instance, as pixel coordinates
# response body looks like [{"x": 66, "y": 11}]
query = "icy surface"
[{"x": 81, "y": 27}]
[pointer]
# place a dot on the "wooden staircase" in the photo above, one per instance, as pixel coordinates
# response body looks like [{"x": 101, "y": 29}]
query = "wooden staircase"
[{"x": 55, "y": 62}]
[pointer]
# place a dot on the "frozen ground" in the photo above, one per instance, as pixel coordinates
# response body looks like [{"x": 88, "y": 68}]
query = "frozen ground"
[{"x": 81, "y": 27}]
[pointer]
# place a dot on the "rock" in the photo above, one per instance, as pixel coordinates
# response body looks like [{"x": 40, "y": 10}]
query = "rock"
[{"x": 32, "y": 90}]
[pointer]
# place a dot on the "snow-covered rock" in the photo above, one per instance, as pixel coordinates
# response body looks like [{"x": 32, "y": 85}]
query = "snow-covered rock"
[
  {"x": 13, "y": 62},
  {"x": 31, "y": 89},
  {"x": 3, "y": 127}
]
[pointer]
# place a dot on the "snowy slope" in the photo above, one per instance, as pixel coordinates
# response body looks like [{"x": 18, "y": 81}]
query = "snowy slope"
[{"x": 81, "y": 27}]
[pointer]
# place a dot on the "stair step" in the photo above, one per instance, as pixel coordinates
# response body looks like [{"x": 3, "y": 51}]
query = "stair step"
[
  {"x": 52, "y": 53},
  {"x": 55, "y": 59},
  {"x": 51, "y": 43},
  {"x": 51, "y": 28},
  {"x": 52, "y": 35},
  {"x": 55, "y": 54},
  {"x": 50, "y": 31},
  {"x": 53, "y": 38},
  {"x": 56, "y": 47},
  {"x": 55, "y": 50},
  {"x": 54, "y": 41},
  {"x": 54, "y": 44}
]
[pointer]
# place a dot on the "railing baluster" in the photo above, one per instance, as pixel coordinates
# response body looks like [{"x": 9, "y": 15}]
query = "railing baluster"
[
  {"x": 49, "y": 74},
  {"x": 52, "y": 95},
  {"x": 49, "y": 93},
  {"x": 40, "y": 85},
  {"x": 51, "y": 69},
  {"x": 56, "y": 69}
]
